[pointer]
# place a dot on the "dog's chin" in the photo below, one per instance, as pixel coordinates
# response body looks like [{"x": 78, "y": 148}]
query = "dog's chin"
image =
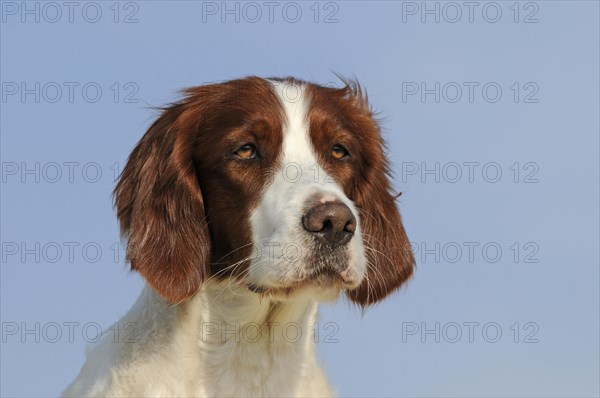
[{"x": 322, "y": 286}]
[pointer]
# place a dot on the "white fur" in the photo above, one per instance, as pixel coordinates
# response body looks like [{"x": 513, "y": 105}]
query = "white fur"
[{"x": 207, "y": 347}]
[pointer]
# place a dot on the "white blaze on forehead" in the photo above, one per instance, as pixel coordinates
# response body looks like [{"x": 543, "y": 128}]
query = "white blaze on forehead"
[{"x": 297, "y": 147}]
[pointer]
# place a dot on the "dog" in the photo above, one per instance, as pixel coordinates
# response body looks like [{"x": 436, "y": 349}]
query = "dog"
[{"x": 244, "y": 205}]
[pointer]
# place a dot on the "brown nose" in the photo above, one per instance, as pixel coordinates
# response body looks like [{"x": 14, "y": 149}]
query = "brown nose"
[{"x": 331, "y": 223}]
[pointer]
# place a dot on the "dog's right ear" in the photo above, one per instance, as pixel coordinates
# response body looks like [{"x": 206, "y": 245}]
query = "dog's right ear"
[{"x": 161, "y": 210}]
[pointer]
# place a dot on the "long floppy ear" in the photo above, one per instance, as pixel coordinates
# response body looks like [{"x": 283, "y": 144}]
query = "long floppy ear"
[
  {"x": 389, "y": 254},
  {"x": 161, "y": 211}
]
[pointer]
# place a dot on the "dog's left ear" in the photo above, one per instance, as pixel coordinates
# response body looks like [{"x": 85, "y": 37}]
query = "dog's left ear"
[
  {"x": 388, "y": 250},
  {"x": 389, "y": 254}
]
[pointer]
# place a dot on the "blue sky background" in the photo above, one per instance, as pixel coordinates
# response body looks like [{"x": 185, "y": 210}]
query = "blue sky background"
[{"x": 542, "y": 133}]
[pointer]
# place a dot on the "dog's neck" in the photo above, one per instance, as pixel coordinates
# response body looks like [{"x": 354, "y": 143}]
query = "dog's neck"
[{"x": 232, "y": 341}]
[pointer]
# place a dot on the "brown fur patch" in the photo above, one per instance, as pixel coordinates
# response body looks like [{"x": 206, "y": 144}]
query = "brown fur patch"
[{"x": 343, "y": 116}]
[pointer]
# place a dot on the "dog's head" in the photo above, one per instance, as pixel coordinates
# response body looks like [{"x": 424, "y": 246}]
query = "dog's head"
[{"x": 278, "y": 184}]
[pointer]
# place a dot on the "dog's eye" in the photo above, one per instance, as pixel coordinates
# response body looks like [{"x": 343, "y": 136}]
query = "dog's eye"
[
  {"x": 247, "y": 151},
  {"x": 339, "y": 152}
]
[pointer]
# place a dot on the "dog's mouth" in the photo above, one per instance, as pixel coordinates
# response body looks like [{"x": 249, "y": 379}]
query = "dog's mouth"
[{"x": 325, "y": 278}]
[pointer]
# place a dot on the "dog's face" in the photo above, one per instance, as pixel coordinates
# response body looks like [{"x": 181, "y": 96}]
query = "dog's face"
[{"x": 278, "y": 184}]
